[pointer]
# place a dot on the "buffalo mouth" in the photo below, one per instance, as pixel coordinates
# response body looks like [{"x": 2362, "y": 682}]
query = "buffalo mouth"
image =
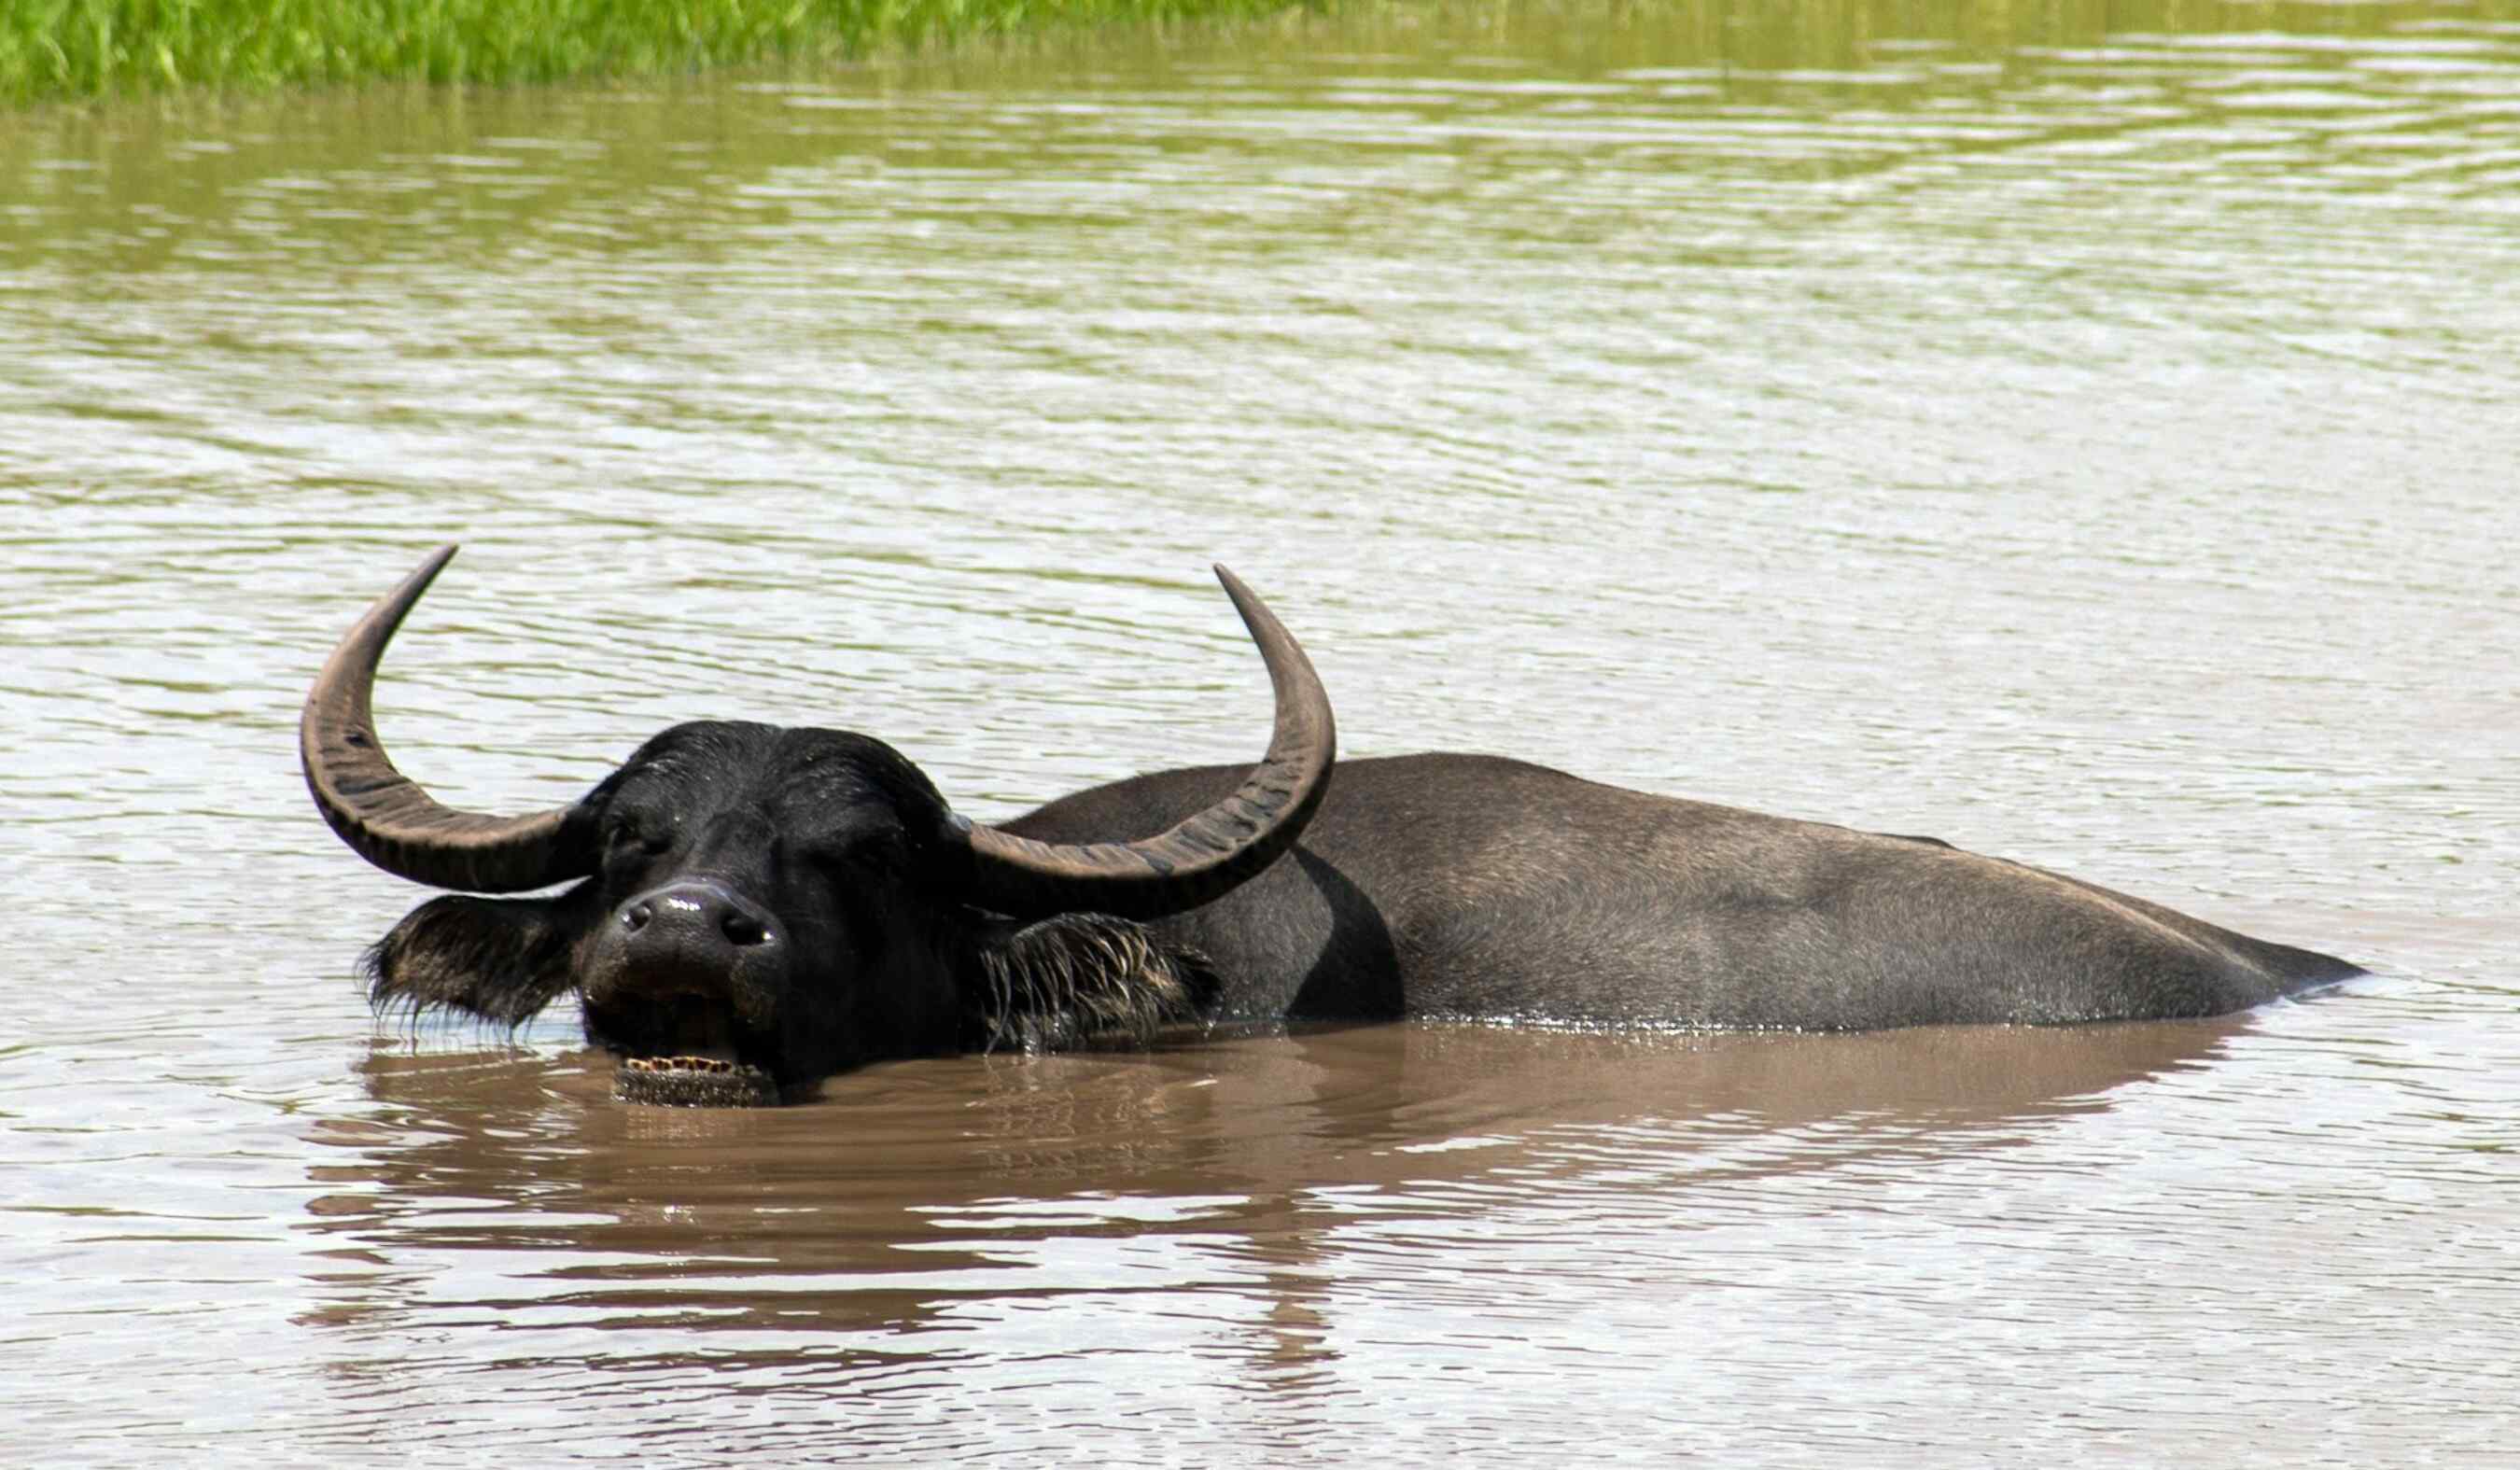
[
  {"x": 696, "y": 1080},
  {"x": 683, "y": 1049}
]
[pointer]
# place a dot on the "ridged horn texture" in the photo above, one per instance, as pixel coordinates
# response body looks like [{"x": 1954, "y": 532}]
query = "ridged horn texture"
[
  {"x": 384, "y": 814},
  {"x": 1207, "y": 853}
]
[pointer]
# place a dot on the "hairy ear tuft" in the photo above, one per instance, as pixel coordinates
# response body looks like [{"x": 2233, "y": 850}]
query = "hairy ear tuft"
[
  {"x": 502, "y": 960},
  {"x": 1080, "y": 979}
]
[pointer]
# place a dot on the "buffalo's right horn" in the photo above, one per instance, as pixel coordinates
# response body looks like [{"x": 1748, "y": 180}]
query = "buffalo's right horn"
[{"x": 384, "y": 814}]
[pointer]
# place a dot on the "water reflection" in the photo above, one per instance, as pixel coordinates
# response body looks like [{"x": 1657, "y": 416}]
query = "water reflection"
[{"x": 914, "y": 1195}]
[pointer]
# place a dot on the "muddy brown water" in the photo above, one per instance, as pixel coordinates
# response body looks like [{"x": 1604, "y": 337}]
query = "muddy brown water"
[{"x": 2084, "y": 435}]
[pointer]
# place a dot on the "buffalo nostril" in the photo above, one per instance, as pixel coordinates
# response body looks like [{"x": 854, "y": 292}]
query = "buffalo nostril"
[{"x": 689, "y": 919}]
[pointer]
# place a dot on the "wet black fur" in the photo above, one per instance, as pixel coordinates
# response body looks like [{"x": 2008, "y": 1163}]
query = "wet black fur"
[
  {"x": 501, "y": 960},
  {"x": 852, "y": 856},
  {"x": 1082, "y": 978},
  {"x": 1075, "y": 979}
]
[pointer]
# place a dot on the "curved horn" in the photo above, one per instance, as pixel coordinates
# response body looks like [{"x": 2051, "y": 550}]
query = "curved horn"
[
  {"x": 385, "y": 816},
  {"x": 1206, "y": 853}
]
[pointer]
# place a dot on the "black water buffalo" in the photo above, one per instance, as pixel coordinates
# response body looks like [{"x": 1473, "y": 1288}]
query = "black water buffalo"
[{"x": 754, "y": 907}]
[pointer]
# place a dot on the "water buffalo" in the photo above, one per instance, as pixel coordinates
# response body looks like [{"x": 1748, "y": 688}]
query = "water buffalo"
[{"x": 751, "y": 908}]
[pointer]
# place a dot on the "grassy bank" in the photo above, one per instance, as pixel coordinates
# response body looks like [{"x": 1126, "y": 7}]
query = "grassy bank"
[{"x": 94, "y": 48}]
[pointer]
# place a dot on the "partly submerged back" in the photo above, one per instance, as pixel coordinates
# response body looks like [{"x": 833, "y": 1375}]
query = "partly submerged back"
[{"x": 1480, "y": 886}]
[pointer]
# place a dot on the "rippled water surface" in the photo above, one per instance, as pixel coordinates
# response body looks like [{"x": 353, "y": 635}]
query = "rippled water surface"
[{"x": 2086, "y": 434}]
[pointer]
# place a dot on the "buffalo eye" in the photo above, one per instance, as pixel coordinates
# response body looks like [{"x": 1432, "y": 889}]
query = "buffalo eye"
[{"x": 629, "y": 838}]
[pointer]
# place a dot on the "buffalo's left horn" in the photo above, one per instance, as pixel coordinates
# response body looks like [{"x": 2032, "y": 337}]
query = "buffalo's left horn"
[
  {"x": 384, "y": 814},
  {"x": 1206, "y": 853}
]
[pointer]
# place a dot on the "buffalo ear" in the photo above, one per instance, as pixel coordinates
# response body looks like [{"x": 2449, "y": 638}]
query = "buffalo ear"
[
  {"x": 1078, "y": 979},
  {"x": 502, "y": 960}
]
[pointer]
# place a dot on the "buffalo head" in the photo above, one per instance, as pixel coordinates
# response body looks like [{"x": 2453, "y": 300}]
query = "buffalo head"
[{"x": 752, "y": 907}]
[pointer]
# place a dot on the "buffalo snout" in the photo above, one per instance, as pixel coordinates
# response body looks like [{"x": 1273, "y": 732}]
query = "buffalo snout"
[{"x": 693, "y": 940}]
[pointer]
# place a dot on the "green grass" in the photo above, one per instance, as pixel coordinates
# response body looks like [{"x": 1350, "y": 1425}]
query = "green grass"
[{"x": 100, "y": 48}]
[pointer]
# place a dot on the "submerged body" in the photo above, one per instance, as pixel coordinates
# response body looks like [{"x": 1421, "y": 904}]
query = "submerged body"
[
  {"x": 1475, "y": 886},
  {"x": 751, "y": 908}
]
